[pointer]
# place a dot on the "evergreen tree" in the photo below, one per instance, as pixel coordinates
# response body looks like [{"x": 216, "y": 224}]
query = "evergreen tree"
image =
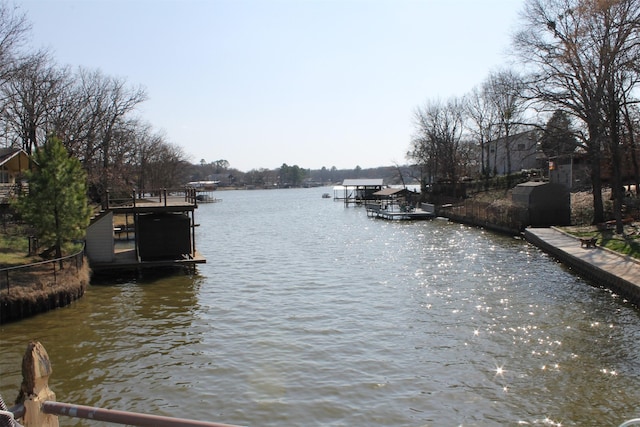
[
  {"x": 56, "y": 204},
  {"x": 558, "y": 139}
]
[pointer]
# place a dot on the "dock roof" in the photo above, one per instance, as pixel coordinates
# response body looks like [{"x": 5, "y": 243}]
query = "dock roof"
[
  {"x": 376, "y": 182},
  {"x": 390, "y": 191}
]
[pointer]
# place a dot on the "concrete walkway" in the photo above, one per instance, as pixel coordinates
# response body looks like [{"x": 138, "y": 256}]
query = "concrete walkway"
[{"x": 605, "y": 268}]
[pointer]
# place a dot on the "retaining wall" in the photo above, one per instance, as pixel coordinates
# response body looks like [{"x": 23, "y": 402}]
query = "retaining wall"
[{"x": 589, "y": 271}]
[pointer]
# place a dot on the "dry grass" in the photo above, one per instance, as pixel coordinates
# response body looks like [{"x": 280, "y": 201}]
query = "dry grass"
[{"x": 35, "y": 282}]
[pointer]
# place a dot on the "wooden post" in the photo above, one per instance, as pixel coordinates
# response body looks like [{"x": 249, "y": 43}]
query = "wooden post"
[{"x": 35, "y": 390}]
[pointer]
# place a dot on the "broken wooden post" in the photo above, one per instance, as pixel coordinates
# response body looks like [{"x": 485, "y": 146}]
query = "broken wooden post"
[{"x": 36, "y": 369}]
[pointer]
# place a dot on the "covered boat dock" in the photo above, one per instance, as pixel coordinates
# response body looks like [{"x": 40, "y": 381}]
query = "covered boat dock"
[
  {"x": 161, "y": 232},
  {"x": 357, "y": 191}
]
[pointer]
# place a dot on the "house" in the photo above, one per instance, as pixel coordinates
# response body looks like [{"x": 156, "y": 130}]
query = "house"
[
  {"x": 13, "y": 163},
  {"x": 513, "y": 154},
  {"x": 571, "y": 170}
]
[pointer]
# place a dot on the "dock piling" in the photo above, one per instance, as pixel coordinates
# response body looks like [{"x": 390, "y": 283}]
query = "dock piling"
[
  {"x": 37, "y": 406},
  {"x": 34, "y": 391}
]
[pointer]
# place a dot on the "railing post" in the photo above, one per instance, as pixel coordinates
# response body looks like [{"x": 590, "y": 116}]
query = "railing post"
[{"x": 34, "y": 391}]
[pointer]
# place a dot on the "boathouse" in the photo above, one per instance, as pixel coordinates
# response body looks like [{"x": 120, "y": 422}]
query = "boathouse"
[
  {"x": 397, "y": 203},
  {"x": 397, "y": 196},
  {"x": 358, "y": 191},
  {"x": 145, "y": 232}
]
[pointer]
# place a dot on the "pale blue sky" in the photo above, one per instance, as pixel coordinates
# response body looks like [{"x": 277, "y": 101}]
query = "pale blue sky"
[{"x": 263, "y": 82}]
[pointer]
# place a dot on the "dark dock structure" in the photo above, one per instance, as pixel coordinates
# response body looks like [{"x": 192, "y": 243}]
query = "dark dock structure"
[
  {"x": 145, "y": 231},
  {"x": 357, "y": 191}
]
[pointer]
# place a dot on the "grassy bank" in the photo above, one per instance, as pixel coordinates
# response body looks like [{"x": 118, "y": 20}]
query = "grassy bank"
[
  {"x": 14, "y": 246},
  {"x": 627, "y": 243}
]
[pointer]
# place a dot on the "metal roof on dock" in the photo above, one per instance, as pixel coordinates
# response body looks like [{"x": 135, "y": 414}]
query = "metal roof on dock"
[{"x": 377, "y": 182}]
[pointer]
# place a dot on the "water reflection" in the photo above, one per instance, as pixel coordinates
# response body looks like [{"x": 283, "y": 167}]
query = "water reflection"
[{"x": 309, "y": 313}]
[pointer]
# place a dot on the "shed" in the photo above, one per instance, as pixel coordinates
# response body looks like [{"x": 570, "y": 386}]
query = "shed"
[
  {"x": 545, "y": 203},
  {"x": 163, "y": 236}
]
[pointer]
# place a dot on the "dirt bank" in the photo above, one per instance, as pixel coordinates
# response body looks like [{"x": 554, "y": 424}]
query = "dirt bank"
[{"x": 31, "y": 291}]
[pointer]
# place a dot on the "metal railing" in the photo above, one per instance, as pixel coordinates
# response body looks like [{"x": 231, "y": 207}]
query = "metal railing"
[
  {"x": 49, "y": 268},
  {"x": 39, "y": 407},
  {"x": 161, "y": 196},
  {"x": 121, "y": 417}
]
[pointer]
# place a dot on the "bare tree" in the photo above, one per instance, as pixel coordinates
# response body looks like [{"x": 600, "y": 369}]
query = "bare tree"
[
  {"x": 482, "y": 123},
  {"x": 583, "y": 56},
  {"x": 435, "y": 147},
  {"x": 103, "y": 117},
  {"x": 505, "y": 92},
  {"x": 31, "y": 96},
  {"x": 13, "y": 36}
]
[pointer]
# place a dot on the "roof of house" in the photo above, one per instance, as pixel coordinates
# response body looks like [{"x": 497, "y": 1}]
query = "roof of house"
[
  {"x": 7, "y": 154},
  {"x": 15, "y": 158}
]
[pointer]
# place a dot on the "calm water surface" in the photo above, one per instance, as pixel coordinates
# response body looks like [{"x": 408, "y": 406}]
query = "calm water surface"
[{"x": 311, "y": 314}]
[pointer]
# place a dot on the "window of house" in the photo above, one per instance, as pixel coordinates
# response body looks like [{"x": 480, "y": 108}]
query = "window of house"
[
  {"x": 521, "y": 147},
  {"x": 4, "y": 176}
]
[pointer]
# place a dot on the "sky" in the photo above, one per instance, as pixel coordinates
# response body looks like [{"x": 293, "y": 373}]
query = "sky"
[{"x": 259, "y": 83}]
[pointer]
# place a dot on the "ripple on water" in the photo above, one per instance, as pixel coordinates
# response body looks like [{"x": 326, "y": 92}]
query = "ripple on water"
[{"x": 310, "y": 313}]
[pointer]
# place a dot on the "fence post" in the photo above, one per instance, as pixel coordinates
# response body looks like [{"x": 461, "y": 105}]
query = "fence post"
[{"x": 36, "y": 369}]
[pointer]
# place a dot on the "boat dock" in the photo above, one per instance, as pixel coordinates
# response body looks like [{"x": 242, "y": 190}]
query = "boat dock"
[
  {"x": 158, "y": 231},
  {"x": 394, "y": 211}
]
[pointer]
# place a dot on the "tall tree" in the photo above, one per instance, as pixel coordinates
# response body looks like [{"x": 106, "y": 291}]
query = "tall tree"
[
  {"x": 107, "y": 104},
  {"x": 483, "y": 124},
  {"x": 13, "y": 31},
  {"x": 505, "y": 92},
  {"x": 583, "y": 55},
  {"x": 56, "y": 204},
  {"x": 558, "y": 138},
  {"x": 435, "y": 147},
  {"x": 31, "y": 96}
]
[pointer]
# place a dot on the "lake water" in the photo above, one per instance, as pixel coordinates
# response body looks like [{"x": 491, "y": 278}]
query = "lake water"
[{"x": 308, "y": 313}]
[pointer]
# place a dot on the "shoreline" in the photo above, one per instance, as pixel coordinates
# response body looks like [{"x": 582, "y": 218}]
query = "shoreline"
[{"x": 38, "y": 292}]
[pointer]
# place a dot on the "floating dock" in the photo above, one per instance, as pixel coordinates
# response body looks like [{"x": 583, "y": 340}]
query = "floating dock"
[{"x": 397, "y": 212}]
